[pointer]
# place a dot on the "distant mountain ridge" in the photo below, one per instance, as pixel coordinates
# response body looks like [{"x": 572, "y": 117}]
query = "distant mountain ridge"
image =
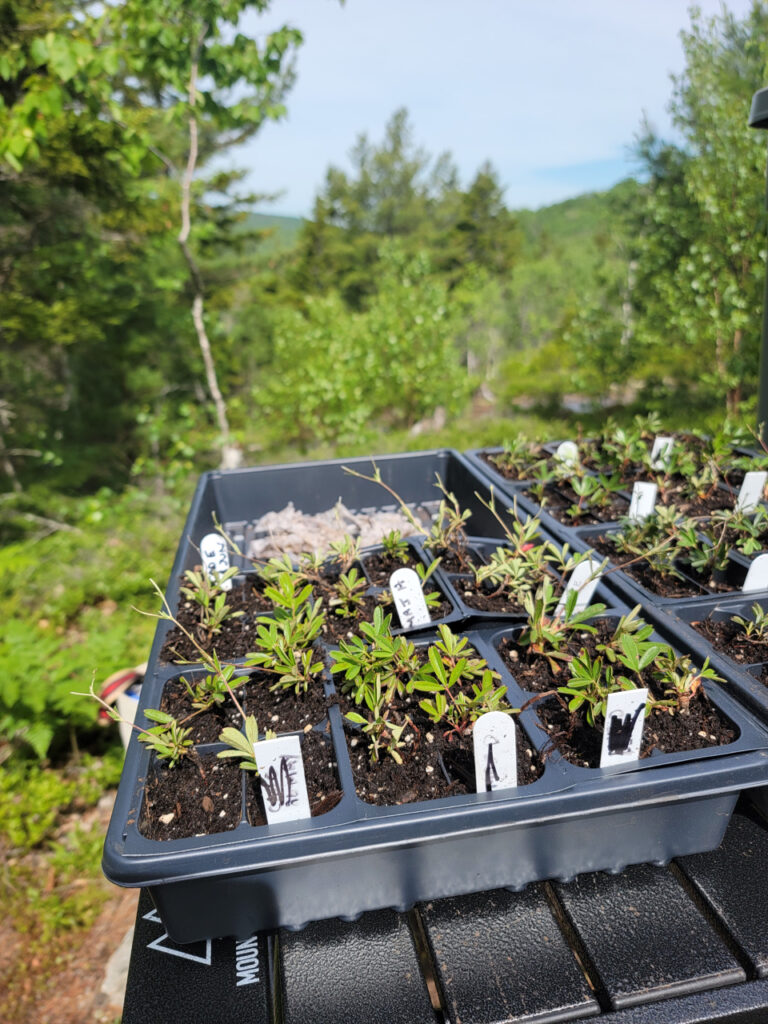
[{"x": 570, "y": 219}]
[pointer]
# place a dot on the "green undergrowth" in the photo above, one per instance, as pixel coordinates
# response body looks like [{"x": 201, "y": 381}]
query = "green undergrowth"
[
  {"x": 51, "y": 887},
  {"x": 67, "y": 589}
]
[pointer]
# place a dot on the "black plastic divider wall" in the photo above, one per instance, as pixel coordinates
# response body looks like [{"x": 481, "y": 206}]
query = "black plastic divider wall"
[{"x": 687, "y": 944}]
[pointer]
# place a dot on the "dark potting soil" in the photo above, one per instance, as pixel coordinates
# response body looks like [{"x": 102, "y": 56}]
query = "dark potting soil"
[
  {"x": 664, "y": 586},
  {"x": 580, "y": 744},
  {"x": 320, "y": 772},
  {"x": 206, "y": 725},
  {"x": 733, "y": 536},
  {"x": 534, "y": 673},
  {"x": 484, "y": 598},
  {"x": 696, "y": 504},
  {"x": 379, "y": 567},
  {"x": 558, "y": 499},
  {"x": 422, "y": 776},
  {"x": 199, "y": 796},
  {"x": 456, "y": 560},
  {"x": 337, "y": 628},
  {"x": 731, "y": 640},
  {"x": 281, "y": 711},
  {"x": 235, "y": 635},
  {"x": 284, "y": 710},
  {"x": 512, "y": 473}
]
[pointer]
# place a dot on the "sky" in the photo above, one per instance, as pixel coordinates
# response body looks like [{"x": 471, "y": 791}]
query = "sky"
[{"x": 552, "y": 92}]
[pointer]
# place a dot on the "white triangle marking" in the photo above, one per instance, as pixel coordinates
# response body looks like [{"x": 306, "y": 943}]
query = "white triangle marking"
[{"x": 158, "y": 945}]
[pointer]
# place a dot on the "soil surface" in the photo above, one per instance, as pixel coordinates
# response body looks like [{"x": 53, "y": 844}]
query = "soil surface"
[
  {"x": 558, "y": 499},
  {"x": 201, "y": 795},
  {"x": 535, "y": 673},
  {"x": 580, "y": 744},
  {"x": 695, "y": 504},
  {"x": 484, "y": 598},
  {"x": 280, "y": 710},
  {"x": 235, "y": 636},
  {"x": 693, "y": 584},
  {"x": 379, "y": 567},
  {"x": 320, "y": 772},
  {"x": 731, "y": 640},
  {"x": 434, "y": 766}
]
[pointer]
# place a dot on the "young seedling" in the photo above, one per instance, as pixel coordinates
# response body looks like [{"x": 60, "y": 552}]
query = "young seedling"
[
  {"x": 383, "y": 733},
  {"x": 241, "y": 745},
  {"x": 548, "y": 635},
  {"x": 169, "y": 740},
  {"x": 211, "y": 600},
  {"x": 345, "y": 552},
  {"x": 446, "y": 534},
  {"x": 349, "y": 593},
  {"x": 704, "y": 547},
  {"x": 517, "y": 458},
  {"x": 756, "y": 628},
  {"x": 618, "y": 665},
  {"x": 375, "y": 657},
  {"x": 395, "y": 547},
  {"x": 451, "y": 667},
  {"x": 282, "y": 649},
  {"x": 591, "y": 683},
  {"x": 680, "y": 679},
  {"x": 212, "y": 690}
]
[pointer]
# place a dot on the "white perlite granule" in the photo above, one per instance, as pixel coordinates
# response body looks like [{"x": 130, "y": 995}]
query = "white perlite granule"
[{"x": 293, "y": 532}]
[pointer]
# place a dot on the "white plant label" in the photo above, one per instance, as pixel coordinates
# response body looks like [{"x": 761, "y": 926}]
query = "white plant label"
[
  {"x": 409, "y": 598},
  {"x": 643, "y": 501},
  {"x": 215, "y": 556},
  {"x": 495, "y": 746},
  {"x": 661, "y": 452},
  {"x": 751, "y": 491},
  {"x": 583, "y": 580},
  {"x": 624, "y": 721},
  {"x": 757, "y": 575},
  {"x": 281, "y": 773},
  {"x": 568, "y": 453}
]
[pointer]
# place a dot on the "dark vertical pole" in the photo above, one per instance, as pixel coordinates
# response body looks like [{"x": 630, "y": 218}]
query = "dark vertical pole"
[
  {"x": 762, "y": 394},
  {"x": 758, "y": 118}
]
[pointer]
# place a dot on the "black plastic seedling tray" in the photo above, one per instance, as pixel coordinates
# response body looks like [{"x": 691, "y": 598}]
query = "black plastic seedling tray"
[
  {"x": 743, "y": 678},
  {"x": 359, "y": 856}
]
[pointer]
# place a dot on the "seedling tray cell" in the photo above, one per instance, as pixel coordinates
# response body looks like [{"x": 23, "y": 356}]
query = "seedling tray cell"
[{"x": 359, "y": 856}]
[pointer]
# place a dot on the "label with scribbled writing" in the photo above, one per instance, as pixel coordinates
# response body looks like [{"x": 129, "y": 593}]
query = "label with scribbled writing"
[
  {"x": 624, "y": 721},
  {"x": 495, "y": 748},
  {"x": 643, "y": 501},
  {"x": 405, "y": 586},
  {"x": 757, "y": 575},
  {"x": 583, "y": 580},
  {"x": 281, "y": 773},
  {"x": 215, "y": 556},
  {"x": 567, "y": 452},
  {"x": 751, "y": 491},
  {"x": 661, "y": 452}
]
